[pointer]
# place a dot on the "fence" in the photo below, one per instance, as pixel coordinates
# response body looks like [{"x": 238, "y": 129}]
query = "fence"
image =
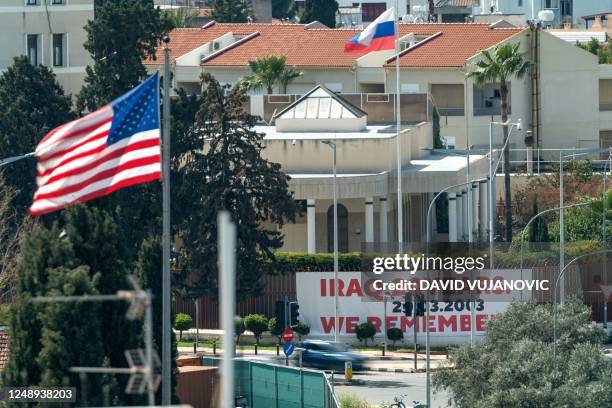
[{"x": 274, "y": 386}]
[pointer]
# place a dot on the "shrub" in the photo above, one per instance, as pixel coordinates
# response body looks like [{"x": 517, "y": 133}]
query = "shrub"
[
  {"x": 365, "y": 331},
  {"x": 257, "y": 324},
  {"x": 394, "y": 334},
  {"x": 302, "y": 329},
  {"x": 275, "y": 331},
  {"x": 352, "y": 401},
  {"x": 238, "y": 327},
  {"x": 182, "y": 321}
]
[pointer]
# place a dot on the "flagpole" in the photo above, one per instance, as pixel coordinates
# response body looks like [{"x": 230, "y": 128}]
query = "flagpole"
[
  {"x": 9, "y": 160},
  {"x": 398, "y": 146},
  {"x": 166, "y": 299}
]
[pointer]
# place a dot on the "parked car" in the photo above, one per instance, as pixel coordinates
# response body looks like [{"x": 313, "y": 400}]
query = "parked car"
[{"x": 330, "y": 355}]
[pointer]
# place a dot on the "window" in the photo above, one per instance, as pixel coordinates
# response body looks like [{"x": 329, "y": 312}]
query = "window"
[
  {"x": 520, "y": 3},
  {"x": 487, "y": 100},
  {"x": 369, "y": 11},
  {"x": 342, "y": 228},
  {"x": 59, "y": 48},
  {"x": 32, "y": 2},
  {"x": 551, "y": 4},
  {"x": 32, "y": 51},
  {"x": 448, "y": 98},
  {"x": 57, "y": 1}
]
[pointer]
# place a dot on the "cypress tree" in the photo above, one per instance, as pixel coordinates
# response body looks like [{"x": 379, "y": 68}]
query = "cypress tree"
[
  {"x": 323, "y": 11},
  {"x": 232, "y": 11}
]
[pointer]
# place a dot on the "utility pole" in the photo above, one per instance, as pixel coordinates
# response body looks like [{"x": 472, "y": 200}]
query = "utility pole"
[{"x": 166, "y": 290}]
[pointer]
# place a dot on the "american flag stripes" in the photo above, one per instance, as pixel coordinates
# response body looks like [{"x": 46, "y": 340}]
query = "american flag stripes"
[{"x": 114, "y": 147}]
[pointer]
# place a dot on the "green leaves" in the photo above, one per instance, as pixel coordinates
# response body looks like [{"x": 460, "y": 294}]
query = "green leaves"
[
  {"x": 31, "y": 104},
  {"x": 513, "y": 367},
  {"x": 231, "y": 11},
  {"x": 323, "y": 11},
  {"x": 501, "y": 64},
  {"x": 269, "y": 72},
  {"x": 123, "y": 34}
]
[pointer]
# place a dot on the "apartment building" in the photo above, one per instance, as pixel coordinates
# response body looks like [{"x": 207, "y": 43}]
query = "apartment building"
[{"x": 49, "y": 32}]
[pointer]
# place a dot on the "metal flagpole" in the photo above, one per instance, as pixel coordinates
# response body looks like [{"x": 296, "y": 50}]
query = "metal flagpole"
[
  {"x": 398, "y": 145},
  {"x": 13, "y": 159},
  {"x": 166, "y": 320}
]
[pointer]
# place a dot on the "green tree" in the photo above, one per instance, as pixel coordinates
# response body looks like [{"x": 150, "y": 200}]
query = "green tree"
[
  {"x": 302, "y": 329},
  {"x": 281, "y": 8},
  {"x": 395, "y": 334},
  {"x": 238, "y": 327},
  {"x": 122, "y": 35},
  {"x": 256, "y": 324},
  {"x": 583, "y": 223},
  {"x": 603, "y": 51},
  {"x": 149, "y": 273},
  {"x": 31, "y": 104},
  {"x": 232, "y": 11},
  {"x": 538, "y": 229},
  {"x": 501, "y": 65},
  {"x": 182, "y": 321},
  {"x": 365, "y": 332},
  {"x": 226, "y": 171},
  {"x": 268, "y": 72},
  {"x": 275, "y": 331},
  {"x": 323, "y": 11},
  {"x": 81, "y": 254},
  {"x": 513, "y": 366},
  {"x": 182, "y": 17}
]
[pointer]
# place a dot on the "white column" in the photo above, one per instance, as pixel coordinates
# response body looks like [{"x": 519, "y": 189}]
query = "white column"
[
  {"x": 459, "y": 200},
  {"x": 474, "y": 226},
  {"x": 452, "y": 217},
  {"x": 464, "y": 217},
  {"x": 482, "y": 210},
  {"x": 369, "y": 219},
  {"x": 311, "y": 222},
  {"x": 384, "y": 209}
]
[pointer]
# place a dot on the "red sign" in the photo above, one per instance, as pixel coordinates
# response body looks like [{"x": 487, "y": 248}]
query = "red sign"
[{"x": 288, "y": 335}]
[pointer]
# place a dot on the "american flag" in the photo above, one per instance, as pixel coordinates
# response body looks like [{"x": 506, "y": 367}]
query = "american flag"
[{"x": 114, "y": 147}]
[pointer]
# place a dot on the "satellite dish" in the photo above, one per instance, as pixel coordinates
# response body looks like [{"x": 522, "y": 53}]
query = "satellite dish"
[{"x": 546, "y": 16}]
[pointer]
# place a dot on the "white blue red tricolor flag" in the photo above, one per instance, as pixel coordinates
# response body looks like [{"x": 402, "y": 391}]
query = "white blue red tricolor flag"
[
  {"x": 114, "y": 147},
  {"x": 378, "y": 36}
]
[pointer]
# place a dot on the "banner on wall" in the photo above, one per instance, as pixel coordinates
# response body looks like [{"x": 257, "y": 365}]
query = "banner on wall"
[{"x": 447, "y": 318}]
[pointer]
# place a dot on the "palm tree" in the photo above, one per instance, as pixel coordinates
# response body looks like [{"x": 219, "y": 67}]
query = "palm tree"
[
  {"x": 268, "y": 72},
  {"x": 501, "y": 65}
]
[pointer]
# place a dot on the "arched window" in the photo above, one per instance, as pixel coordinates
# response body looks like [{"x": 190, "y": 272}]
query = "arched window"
[{"x": 342, "y": 228}]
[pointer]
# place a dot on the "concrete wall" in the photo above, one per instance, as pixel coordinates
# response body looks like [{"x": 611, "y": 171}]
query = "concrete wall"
[
  {"x": 17, "y": 20},
  {"x": 570, "y": 89}
]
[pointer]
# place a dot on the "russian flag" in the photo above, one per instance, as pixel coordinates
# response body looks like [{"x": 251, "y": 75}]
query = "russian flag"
[{"x": 378, "y": 36}]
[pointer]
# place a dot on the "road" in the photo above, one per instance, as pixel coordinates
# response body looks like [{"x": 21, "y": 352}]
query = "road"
[{"x": 382, "y": 387}]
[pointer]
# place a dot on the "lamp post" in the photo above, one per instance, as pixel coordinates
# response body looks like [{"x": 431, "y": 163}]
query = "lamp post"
[
  {"x": 336, "y": 326},
  {"x": 604, "y": 233},
  {"x": 532, "y": 219},
  {"x": 561, "y": 213},
  {"x": 427, "y": 351},
  {"x": 561, "y": 273},
  {"x": 492, "y": 172}
]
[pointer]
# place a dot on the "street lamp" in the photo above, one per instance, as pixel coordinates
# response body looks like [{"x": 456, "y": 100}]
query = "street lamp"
[
  {"x": 336, "y": 326},
  {"x": 561, "y": 213},
  {"x": 492, "y": 172},
  {"x": 427, "y": 351},
  {"x": 605, "y": 251},
  {"x": 604, "y": 224}
]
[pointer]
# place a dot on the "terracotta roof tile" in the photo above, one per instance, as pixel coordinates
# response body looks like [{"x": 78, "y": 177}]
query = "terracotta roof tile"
[
  {"x": 325, "y": 47},
  {"x": 455, "y": 44}
]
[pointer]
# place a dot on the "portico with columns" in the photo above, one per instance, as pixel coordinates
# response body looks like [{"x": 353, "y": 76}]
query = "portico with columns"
[{"x": 366, "y": 179}]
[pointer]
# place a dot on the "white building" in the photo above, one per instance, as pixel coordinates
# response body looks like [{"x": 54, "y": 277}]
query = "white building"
[
  {"x": 366, "y": 176},
  {"x": 49, "y": 32}
]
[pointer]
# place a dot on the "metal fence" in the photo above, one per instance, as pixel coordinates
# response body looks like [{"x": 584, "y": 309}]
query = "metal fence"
[{"x": 275, "y": 386}]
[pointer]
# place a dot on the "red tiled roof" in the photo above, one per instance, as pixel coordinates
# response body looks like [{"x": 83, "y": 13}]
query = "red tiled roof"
[
  {"x": 4, "y": 348},
  {"x": 453, "y": 46},
  {"x": 183, "y": 40},
  {"x": 303, "y": 47},
  {"x": 325, "y": 47}
]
